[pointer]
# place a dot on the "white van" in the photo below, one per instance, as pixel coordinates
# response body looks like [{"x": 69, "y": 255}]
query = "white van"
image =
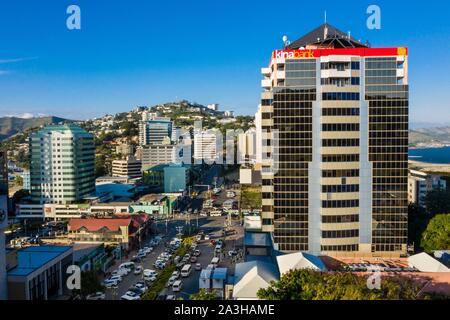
[
  {"x": 215, "y": 261},
  {"x": 186, "y": 271},
  {"x": 177, "y": 285}
]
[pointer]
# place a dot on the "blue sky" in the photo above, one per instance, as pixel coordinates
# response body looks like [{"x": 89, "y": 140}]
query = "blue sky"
[{"x": 143, "y": 52}]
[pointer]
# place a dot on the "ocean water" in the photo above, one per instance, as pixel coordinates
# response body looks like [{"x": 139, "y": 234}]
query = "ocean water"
[{"x": 430, "y": 155}]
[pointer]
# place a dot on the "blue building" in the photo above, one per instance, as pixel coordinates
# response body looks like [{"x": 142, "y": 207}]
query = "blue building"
[
  {"x": 39, "y": 273},
  {"x": 176, "y": 178}
]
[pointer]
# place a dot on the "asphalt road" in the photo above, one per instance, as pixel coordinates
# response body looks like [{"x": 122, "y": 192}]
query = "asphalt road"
[{"x": 210, "y": 225}]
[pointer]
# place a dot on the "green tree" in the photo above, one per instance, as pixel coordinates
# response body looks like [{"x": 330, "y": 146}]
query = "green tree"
[
  {"x": 306, "y": 284},
  {"x": 90, "y": 283},
  {"x": 437, "y": 234},
  {"x": 203, "y": 294}
]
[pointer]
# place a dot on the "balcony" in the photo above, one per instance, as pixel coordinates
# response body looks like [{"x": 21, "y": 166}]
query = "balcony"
[
  {"x": 266, "y": 83},
  {"x": 266, "y": 71}
]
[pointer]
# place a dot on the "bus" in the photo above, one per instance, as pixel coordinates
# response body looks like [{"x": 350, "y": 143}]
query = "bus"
[{"x": 186, "y": 271}]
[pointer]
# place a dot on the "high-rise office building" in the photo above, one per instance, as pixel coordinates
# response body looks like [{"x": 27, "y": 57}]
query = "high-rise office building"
[
  {"x": 339, "y": 111},
  {"x": 154, "y": 130},
  {"x": 62, "y": 166},
  {"x": 3, "y": 223},
  {"x": 207, "y": 147}
]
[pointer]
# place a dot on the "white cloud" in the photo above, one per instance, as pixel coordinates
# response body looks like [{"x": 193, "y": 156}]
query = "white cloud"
[{"x": 3, "y": 61}]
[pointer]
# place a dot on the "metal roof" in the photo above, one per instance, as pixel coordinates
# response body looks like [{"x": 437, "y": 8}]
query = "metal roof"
[
  {"x": 32, "y": 258},
  {"x": 326, "y": 36},
  {"x": 257, "y": 239}
]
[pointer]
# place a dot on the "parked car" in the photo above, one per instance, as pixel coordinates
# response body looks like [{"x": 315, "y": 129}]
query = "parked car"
[
  {"x": 109, "y": 283},
  {"x": 130, "y": 295},
  {"x": 96, "y": 296},
  {"x": 207, "y": 237},
  {"x": 176, "y": 274},
  {"x": 117, "y": 278},
  {"x": 141, "y": 286},
  {"x": 197, "y": 252},
  {"x": 171, "y": 297},
  {"x": 177, "y": 285},
  {"x": 138, "y": 270},
  {"x": 171, "y": 281}
]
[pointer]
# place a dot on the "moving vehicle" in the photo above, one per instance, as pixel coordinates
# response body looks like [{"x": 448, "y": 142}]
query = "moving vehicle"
[
  {"x": 193, "y": 259},
  {"x": 177, "y": 285},
  {"x": 198, "y": 266},
  {"x": 186, "y": 270},
  {"x": 176, "y": 274},
  {"x": 197, "y": 252}
]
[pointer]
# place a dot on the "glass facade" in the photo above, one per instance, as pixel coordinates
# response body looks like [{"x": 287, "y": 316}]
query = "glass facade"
[{"x": 388, "y": 152}]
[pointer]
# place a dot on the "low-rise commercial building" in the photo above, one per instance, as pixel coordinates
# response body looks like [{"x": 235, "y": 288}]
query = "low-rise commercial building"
[
  {"x": 420, "y": 183},
  {"x": 130, "y": 168},
  {"x": 124, "y": 230},
  {"x": 39, "y": 273}
]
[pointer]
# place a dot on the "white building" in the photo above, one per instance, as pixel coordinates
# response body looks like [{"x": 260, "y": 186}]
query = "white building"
[
  {"x": 420, "y": 183},
  {"x": 213, "y": 106},
  {"x": 208, "y": 147},
  {"x": 247, "y": 146},
  {"x": 62, "y": 164},
  {"x": 152, "y": 155}
]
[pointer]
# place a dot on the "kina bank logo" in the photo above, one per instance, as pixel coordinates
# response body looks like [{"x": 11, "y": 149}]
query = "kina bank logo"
[{"x": 293, "y": 54}]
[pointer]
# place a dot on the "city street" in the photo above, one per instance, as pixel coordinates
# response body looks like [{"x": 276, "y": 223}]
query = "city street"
[{"x": 210, "y": 225}]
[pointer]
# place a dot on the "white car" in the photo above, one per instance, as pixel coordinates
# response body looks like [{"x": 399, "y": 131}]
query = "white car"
[
  {"x": 120, "y": 272},
  {"x": 110, "y": 283},
  {"x": 207, "y": 237},
  {"x": 96, "y": 296},
  {"x": 130, "y": 295},
  {"x": 141, "y": 286},
  {"x": 150, "y": 272},
  {"x": 176, "y": 274},
  {"x": 116, "y": 278},
  {"x": 171, "y": 297},
  {"x": 171, "y": 281},
  {"x": 138, "y": 270}
]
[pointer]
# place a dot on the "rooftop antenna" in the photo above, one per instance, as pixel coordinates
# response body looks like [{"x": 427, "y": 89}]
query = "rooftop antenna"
[{"x": 325, "y": 16}]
